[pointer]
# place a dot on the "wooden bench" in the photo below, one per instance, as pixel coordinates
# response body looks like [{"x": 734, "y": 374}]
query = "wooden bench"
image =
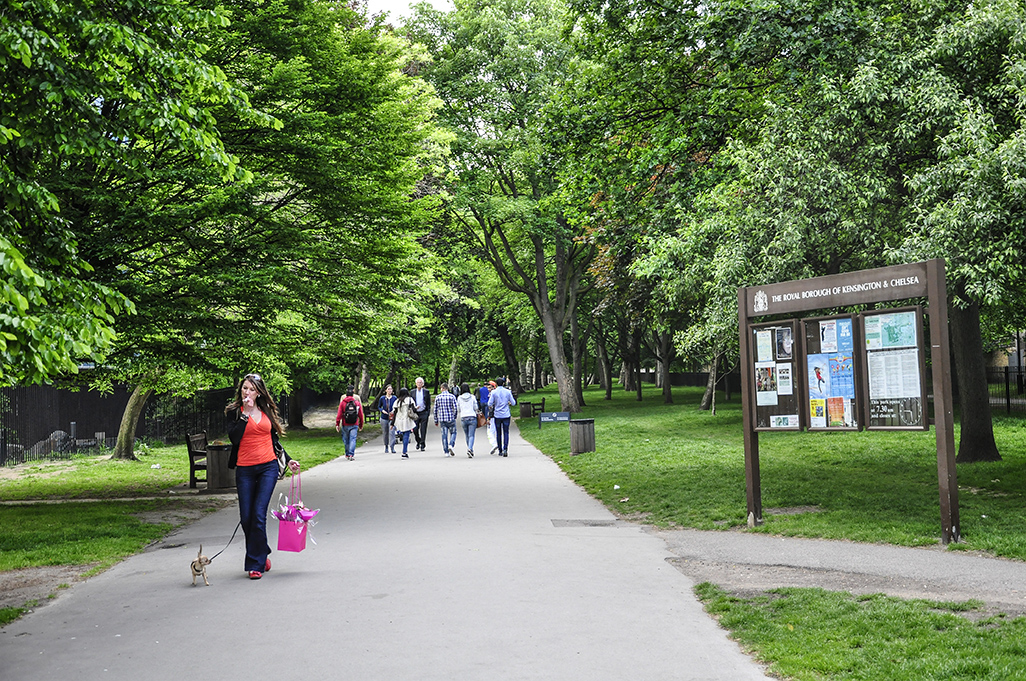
[{"x": 197, "y": 445}]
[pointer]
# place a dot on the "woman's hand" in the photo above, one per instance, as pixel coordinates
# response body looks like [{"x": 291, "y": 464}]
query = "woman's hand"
[{"x": 294, "y": 466}]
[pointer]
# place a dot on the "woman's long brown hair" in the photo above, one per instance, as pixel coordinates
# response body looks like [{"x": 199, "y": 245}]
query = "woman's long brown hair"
[{"x": 264, "y": 402}]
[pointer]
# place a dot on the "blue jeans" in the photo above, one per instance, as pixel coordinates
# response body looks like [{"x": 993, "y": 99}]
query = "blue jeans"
[
  {"x": 255, "y": 485},
  {"x": 448, "y": 435},
  {"x": 406, "y": 439},
  {"x": 349, "y": 438},
  {"x": 502, "y": 433},
  {"x": 469, "y": 429},
  {"x": 388, "y": 433}
]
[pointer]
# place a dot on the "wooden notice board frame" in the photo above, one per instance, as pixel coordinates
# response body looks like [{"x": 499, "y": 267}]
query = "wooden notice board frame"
[{"x": 924, "y": 279}]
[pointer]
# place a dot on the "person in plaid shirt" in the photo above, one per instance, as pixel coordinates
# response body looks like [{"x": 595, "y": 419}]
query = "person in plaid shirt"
[{"x": 445, "y": 417}]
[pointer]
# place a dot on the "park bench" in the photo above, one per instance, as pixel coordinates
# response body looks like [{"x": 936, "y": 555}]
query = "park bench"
[
  {"x": 197, "y": 445},
  {"x": 527, "y": 409}
]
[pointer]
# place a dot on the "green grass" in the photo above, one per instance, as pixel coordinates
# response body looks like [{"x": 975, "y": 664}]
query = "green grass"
[
  {"x": 814, "y": 634},
  {"x": 85, "y": 533},
  {"x": 679, "y": 466}
]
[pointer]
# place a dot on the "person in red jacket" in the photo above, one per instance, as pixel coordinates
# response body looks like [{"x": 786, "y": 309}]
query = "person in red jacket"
[{"x": 349, "y": 421}]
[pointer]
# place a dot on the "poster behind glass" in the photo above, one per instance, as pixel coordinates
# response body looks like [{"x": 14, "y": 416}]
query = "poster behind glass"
[
  {"x": 775, "y": 350},
  {"x": 830, "y": 373},
  {"x": 895, "y": 369}
]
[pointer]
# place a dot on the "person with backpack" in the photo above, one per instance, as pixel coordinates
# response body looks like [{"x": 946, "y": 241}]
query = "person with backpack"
[
  {"x": 349, "y": 421},
  {"x": 404, "y": 417},
  {"x": 386, "y": 403}
]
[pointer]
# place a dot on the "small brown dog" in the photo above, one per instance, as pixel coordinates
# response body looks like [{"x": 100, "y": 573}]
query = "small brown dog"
[{"x": 199, "y": 567}]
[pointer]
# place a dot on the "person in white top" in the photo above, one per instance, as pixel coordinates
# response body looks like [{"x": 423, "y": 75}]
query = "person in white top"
[{"x": 467, "y": 411}]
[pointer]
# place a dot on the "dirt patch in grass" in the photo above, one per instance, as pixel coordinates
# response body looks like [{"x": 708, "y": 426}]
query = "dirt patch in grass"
[
  {"x": 18, "y": 587},
  {"x": 748, "y": 580},
  {"x": 42, "y": 584}
]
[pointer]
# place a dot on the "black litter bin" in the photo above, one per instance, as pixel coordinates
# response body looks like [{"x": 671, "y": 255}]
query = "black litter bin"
[
  {"x": 582, "y": 436},
  {"x": 526, "y": 410}
]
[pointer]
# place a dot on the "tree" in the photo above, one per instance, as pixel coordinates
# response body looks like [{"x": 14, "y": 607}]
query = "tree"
[
  {"x": 85, "y": 84},
  {"x": 496, "y": 65},
  {"x": 971, "y": 203},
  {"x": 292, "y": 268}
]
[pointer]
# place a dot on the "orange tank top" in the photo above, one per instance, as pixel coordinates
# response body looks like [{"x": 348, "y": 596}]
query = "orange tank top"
[{"x": 256, "y": 446}]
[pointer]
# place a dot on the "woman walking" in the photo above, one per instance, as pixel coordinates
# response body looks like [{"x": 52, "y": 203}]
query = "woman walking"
[
  {"x": 254, "y": 435},
  {"x": 386, "y": 403},
  {"x": 467, "y": 411},
  {"x": 404, "y": 422}
]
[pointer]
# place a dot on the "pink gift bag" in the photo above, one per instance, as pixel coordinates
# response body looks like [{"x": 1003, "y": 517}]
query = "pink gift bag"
[{"x": 291, "y": 535}]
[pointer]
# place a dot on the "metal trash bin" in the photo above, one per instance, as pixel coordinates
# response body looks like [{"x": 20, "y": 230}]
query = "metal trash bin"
[
  {"x": 582, "y": 436},
  {"x": 526, "y": 410}
]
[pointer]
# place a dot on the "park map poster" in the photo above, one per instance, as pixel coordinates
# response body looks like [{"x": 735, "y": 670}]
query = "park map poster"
[{"x": 830, "y": 368}]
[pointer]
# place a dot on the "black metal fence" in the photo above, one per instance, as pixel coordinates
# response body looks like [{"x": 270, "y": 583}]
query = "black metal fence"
[
  {"x": 46, "y": 423},
  {"x": 1007, "y": 387}
]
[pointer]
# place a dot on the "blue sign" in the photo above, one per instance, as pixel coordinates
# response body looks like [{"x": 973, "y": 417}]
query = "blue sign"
[{"x": 553, "y": 417}]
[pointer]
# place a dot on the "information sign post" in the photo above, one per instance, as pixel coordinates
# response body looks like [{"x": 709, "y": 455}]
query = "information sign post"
[{"x": 848, "y": 372}]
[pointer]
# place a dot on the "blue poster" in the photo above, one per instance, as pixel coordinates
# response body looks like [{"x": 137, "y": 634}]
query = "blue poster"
[
  {"x": 845, "y": 338},
  {"x": 842, "y": 375},
  {"x": 819, "y": 376}
]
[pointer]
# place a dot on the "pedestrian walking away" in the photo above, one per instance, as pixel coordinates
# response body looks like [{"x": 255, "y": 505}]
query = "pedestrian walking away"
[
  {"x": 349, "y": 421},
  {"x": 422, "y": 404},
  {"x": 404, "y": 415},
  {"x": 254, "y": 436},
  {"x": 484, "y": 392},
  {"x": 386, "y": 402},
  {"x": 499, "y": 403},
  {"x": 445, "y": 418},
  {"x": 467, "y": 411}
]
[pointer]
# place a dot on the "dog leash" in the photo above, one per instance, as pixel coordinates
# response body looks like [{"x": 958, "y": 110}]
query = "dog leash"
[{"x": 229, "y": 542}]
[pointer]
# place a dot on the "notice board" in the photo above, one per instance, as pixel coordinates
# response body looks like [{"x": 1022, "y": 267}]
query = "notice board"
[
  {"x": 830, "y": 373},
  {"x": 775, "y": 353},
  {"x": 895, "y": 369}
]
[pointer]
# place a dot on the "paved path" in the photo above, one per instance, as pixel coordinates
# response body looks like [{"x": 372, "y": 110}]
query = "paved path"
[{"x": 428, "y": 568}]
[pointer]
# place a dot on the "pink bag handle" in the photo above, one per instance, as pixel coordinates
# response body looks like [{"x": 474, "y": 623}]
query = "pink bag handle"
[{"x": 297, "y": 483}]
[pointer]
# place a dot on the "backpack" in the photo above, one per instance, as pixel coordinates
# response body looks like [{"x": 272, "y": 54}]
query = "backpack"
[{"x": 351, "y": 414}]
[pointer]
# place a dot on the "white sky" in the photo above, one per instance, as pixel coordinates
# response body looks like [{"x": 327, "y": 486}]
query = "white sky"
[{"x": 401, "y": 8}]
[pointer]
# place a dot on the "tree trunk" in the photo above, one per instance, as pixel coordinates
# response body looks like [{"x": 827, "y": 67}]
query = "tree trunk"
[
  {"x": 577, "y": 343},
  {"x": 666, "y": 356},
  {"x": 125, "y": 447},
  {"x": 365, "y": 379},
  {"x": 454, "y": 368},
  {"x": 295, "y": 415},
  {"x": 709, "y": 398},
  {"x": 509, "y": 352},
  {"x": 639, "y": 378},
  {"x": 560, "y": 368},
  {"x": 976, "y": 442}
]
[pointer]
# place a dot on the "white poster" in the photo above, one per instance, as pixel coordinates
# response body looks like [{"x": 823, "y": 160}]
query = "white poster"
[
  {"x": 784, "y": 383},
  {"x": 894, "y": 374},
  {"x": 828, "y": 336},
  {"x": 764, "y": 346},
  {"x": 784, "y": 421},
  {"x": 766, "y": 384}
]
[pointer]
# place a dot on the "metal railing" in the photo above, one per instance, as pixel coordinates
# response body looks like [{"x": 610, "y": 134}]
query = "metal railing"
[{"x": 1007, "y": 388}]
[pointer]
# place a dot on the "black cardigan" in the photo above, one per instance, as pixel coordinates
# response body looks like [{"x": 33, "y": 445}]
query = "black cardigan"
[{"x": 235, "y": 433}]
